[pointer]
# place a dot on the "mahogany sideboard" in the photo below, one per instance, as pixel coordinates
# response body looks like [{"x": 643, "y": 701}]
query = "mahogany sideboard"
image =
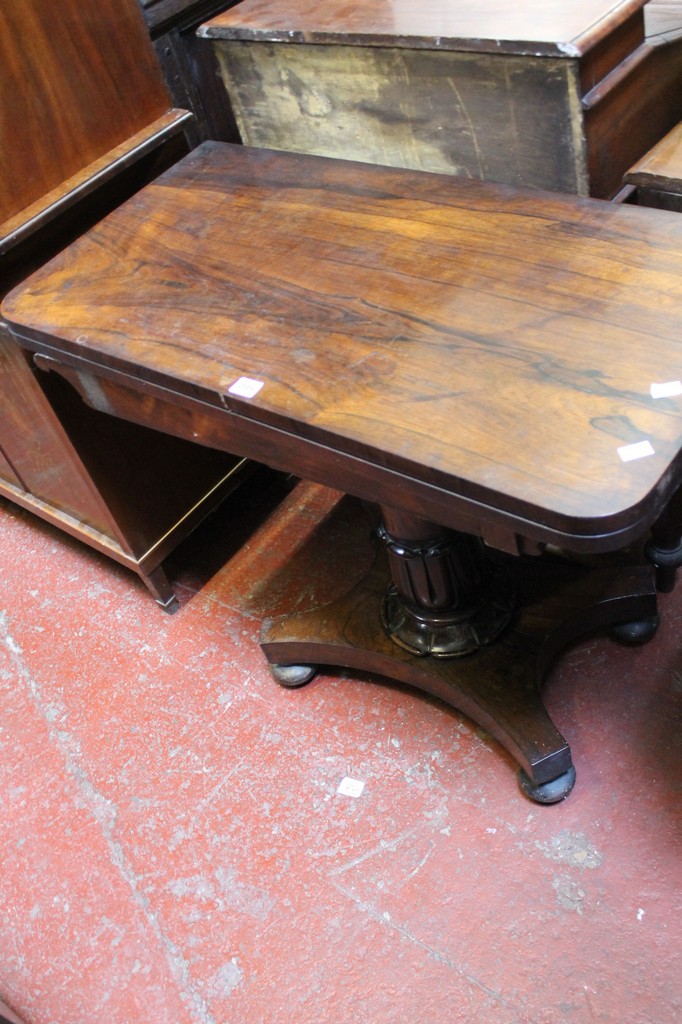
[
  {"x": 496, "y": 368},
  {"x": 541, "y": 93}
]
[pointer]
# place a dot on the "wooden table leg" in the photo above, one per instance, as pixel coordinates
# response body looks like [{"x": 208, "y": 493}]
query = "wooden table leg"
[
  {"x": 437, "y": 613},
  {"x": 664, "y": 548}
]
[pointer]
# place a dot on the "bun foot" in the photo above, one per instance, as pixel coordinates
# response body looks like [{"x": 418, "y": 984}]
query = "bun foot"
[
  {"x": 292, "y": 676},
  {"x": 632, "y": 634},
  {"x": 551, "y": 792}
]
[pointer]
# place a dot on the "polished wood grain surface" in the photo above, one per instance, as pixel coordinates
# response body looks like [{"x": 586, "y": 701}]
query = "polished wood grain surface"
[
  {"x": 661, "y": 167},
  {"x": 491, "y": 342},
  {"x": 73, "y": 86},
  {"x": 511, "y": 26}
]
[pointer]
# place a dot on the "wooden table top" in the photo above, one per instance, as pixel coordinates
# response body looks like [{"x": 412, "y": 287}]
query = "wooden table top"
[
  {"x": 540, "y": 27},
  {"x": 495, "y": 342}
]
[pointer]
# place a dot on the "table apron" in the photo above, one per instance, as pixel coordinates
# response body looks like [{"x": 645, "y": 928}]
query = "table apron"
[{"x": 149, "y": 404}]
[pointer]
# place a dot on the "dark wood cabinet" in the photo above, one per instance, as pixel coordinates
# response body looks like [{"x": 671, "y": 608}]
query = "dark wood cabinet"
[
  {"x": 39, "y": 460},
  {"x": 129, "y": 492},
  {"x": 555, "y": 96},
  {"x": 189, "y": 66},
  {"x": 87, "y": 120}
]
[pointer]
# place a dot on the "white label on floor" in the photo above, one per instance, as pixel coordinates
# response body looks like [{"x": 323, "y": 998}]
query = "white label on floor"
[{"x": 350, "y": 787}]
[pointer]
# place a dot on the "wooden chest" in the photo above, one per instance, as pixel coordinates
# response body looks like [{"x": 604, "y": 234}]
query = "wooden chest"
[{"x": 547, "y": 94}]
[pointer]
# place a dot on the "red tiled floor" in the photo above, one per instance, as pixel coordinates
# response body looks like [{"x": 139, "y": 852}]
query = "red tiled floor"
[{"x": 174, "y": 848}]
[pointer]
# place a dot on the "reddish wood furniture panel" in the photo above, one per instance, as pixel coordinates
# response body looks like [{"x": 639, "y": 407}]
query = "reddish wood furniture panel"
[{"x": 87, "y": 82}]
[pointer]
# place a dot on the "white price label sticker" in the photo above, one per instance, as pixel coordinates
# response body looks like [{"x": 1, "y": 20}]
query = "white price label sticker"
[
  {"x": 639, "y": 450},
  {"x": 666, "y": 390},
  {"x": 245, "y": 387}
]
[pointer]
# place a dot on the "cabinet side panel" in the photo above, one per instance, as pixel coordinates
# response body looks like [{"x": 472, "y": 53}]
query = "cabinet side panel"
[
  {"x": 84, "y": 76},
  {"x": 35, "y": 445},
  {"x": 496, "y": 118},
  {"x": 7, "y": 472}
]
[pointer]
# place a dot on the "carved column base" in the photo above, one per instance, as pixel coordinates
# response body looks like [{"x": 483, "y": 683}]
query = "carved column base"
[
  {"x": 446, "y": 600},
  {"x": 446, "y": 635}
]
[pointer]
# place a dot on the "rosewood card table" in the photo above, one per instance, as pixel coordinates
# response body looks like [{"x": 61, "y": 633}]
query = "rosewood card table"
[{"x": 497, "y": 369}]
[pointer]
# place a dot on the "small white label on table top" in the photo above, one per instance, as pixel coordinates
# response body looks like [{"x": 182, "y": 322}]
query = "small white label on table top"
[
  {"x": 639, "y": 450},
  {"x": 666, "y": 390},
  {"x": 350, "y": 787},
  {"x": 246, "y": 387}
]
